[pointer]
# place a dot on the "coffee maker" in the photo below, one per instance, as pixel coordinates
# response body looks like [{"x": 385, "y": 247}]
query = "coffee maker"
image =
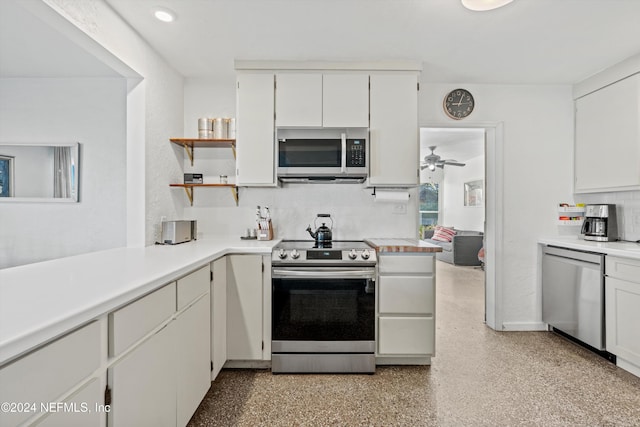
[{"x": 600, "y": 223}]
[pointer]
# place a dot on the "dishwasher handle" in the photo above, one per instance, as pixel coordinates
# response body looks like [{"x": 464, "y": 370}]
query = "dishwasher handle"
[{"x": 588, "y": 257}]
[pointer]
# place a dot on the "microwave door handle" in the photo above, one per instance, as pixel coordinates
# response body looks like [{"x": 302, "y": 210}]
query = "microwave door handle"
[{"x": 343, "y": 157}]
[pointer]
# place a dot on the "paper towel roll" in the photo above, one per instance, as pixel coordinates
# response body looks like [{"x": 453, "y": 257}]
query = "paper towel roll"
[{"x": 392, "y": 196}]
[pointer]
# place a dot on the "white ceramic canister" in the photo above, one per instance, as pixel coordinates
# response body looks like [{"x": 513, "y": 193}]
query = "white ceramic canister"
[
  {"x": 219, "y": 128},
  {"x": 205, "y": 128}
]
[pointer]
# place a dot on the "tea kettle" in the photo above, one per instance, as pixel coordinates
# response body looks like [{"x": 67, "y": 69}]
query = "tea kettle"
[{"x": 322, "y": 233}]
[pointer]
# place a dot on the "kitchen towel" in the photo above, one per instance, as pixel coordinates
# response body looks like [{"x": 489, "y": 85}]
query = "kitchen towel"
[{"x": 391, "y": 196}]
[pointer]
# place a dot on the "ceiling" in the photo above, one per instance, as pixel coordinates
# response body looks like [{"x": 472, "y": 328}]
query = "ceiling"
[
  {"x": 459, "y": 144},
  {"x": 526, "y": 42}
]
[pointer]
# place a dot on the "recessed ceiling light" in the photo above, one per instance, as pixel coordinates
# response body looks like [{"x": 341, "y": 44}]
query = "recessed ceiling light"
[
  {"x": 164, "y": 14},
  {"x": 482, "y": 5}
]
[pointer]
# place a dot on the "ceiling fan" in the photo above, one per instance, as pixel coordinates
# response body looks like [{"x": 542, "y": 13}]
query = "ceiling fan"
[{"x": 432, "y": 161}]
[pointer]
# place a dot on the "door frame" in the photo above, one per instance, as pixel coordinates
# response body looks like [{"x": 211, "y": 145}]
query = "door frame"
[{"x": 494, "y": 215}]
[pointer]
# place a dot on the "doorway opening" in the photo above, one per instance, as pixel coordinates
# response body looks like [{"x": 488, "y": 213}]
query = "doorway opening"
[{"x": 459, "y": 189}]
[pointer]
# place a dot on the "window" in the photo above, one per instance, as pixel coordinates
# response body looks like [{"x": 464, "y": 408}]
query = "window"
[{"x": 429, "y": 205}]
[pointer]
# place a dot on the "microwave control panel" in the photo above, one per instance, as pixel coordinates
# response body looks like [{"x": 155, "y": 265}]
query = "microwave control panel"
[{"x": 356, "y": 153}]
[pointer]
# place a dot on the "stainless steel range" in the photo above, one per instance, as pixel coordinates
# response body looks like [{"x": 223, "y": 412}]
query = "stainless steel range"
[{"x": 323, "y": 307}]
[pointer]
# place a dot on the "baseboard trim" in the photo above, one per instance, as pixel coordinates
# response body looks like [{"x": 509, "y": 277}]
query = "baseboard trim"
[
  {"x": 628, "y": 366},
  {"x": 524, "y": 326}
]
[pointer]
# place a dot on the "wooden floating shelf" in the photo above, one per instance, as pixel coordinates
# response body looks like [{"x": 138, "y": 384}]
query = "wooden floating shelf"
[
  {"x": 188, "y": 188},
  {"x": 190, "y": 143}
]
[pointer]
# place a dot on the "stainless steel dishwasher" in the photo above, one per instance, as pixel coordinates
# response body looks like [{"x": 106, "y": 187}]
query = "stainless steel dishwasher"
[{"x": 573, "y": 294}]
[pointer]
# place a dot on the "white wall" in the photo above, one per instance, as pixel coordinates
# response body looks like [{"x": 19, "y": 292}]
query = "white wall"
[
  {"x": 89, "y": 111},
  {"x": 161, "y": 112},
  {"x": 454, "y": 212},
  {"x": 537, "y": 167}
]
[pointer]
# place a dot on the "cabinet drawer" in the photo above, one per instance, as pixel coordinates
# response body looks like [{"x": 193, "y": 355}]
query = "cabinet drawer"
[
  {"x": 623, "y": 268},
  {"x": 418, "y": 264},
  {"x": 406, "y": 294},
  {"x": 193, "y": 285},
  {"x": 50, "y": 371},
  {"x": 134, "y": 321},
  {"x": 406, "y": 335}
]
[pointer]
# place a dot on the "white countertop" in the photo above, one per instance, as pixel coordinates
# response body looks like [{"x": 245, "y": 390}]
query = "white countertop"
[
  {"x": 621, "y": 249},
  {"x": 41, "y": 301}
]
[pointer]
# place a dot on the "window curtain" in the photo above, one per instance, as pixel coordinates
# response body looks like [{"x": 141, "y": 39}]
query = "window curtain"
[{"x": 62, "y": 172}]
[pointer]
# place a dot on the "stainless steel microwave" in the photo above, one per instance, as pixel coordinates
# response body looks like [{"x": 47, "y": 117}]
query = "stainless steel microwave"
[{"x": 323, "y": 159}]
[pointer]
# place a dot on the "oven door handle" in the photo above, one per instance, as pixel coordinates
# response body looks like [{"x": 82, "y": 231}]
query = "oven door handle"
[{"x": 319, "y": 273}]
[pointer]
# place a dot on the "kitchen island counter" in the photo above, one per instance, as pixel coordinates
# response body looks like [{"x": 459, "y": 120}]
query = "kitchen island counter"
[
  {"x": 42, "y": 301},
  {"x": 387, "y": 245}
]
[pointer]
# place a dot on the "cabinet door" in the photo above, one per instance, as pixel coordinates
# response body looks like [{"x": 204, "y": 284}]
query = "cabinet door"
[
  {"x": 255, "y": 131},
  {"x": 50, "y": 371},
  {"x": 143, "y": 383},
  {"x": 406, "y": 336},
  {"x": 87, "y": 409},
  {"x": 218, "y": 315},
  {"x": 345, "y": 100},
  {"x": 607, "y": 139},
  {"x": 394, "y": 149},
  {"x": 194, "y": 358},
  {"x": 623, "y": 319},
  {"x": 244, "y": 307},
  {"x": 299, "y": 100}
]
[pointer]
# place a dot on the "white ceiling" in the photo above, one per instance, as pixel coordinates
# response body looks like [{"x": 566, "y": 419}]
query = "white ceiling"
[
  {"x": 459, "y": 144},
  {"x": 528, "y": 41}
]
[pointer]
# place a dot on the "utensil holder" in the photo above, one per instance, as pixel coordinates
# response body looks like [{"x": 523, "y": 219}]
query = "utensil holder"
[{"x": 266, "y": 233}]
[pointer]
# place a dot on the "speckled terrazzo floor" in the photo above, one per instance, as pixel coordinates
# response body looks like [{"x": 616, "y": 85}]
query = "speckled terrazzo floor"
[{"x": 479, "y": 377}]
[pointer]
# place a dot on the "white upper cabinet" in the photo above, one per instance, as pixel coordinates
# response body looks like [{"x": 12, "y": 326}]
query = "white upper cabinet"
[
  {"x": 255, "y": 130},
  {"x": 322, "y": 100},
  {"x": 393, "y": 127},
  {"x": 299, "y": 100},
  {"x": 345, "y": 100},
  {"x": 607, "y": 138}
]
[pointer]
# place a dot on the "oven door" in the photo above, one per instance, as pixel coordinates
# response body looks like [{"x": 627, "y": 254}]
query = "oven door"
[{"x": 323, "y": 310}]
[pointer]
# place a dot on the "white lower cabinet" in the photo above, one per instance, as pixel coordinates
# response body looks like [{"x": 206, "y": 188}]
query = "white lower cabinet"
[
  {"x": 160, "y": 379},
  {"x": 82, "y": 409},
  {"x": 48, "y": 373},
  {"x": 405, "y": 308},
  {"x": 244, "y": 307},
  {"x": 143, "y": 386},
  {"x": 194, "y": 358},
  {"x": 622, "y": 317}
]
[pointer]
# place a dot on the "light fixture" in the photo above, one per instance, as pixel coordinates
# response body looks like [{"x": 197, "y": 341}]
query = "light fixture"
[
  {"x": 483, "y": 5},
  {"x": 164, "y": 14},
  {"x": 431, "y": 166}
]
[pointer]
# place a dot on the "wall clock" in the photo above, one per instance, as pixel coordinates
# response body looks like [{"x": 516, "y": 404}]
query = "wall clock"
[{"x": 458, "y": 104}]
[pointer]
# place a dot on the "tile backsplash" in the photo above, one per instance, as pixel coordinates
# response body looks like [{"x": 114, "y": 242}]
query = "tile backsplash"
[
  {"x": 627, "y": 207},
  {"x": 353, "y": 209}
]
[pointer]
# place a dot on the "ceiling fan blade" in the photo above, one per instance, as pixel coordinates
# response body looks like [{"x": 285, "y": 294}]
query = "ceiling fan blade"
[{"x": 454, "y": 163}]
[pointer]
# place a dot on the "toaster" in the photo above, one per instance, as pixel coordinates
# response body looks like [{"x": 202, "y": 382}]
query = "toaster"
[{"x": 179, "y": 231}]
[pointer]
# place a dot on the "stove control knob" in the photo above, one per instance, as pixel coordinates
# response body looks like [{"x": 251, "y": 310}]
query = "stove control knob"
[
  {"x": 365, "y": 254},
  {"x": 295, "y": 254},
  {"x": 282, "y": 254},
  {"x": 353, "y": 254}
]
